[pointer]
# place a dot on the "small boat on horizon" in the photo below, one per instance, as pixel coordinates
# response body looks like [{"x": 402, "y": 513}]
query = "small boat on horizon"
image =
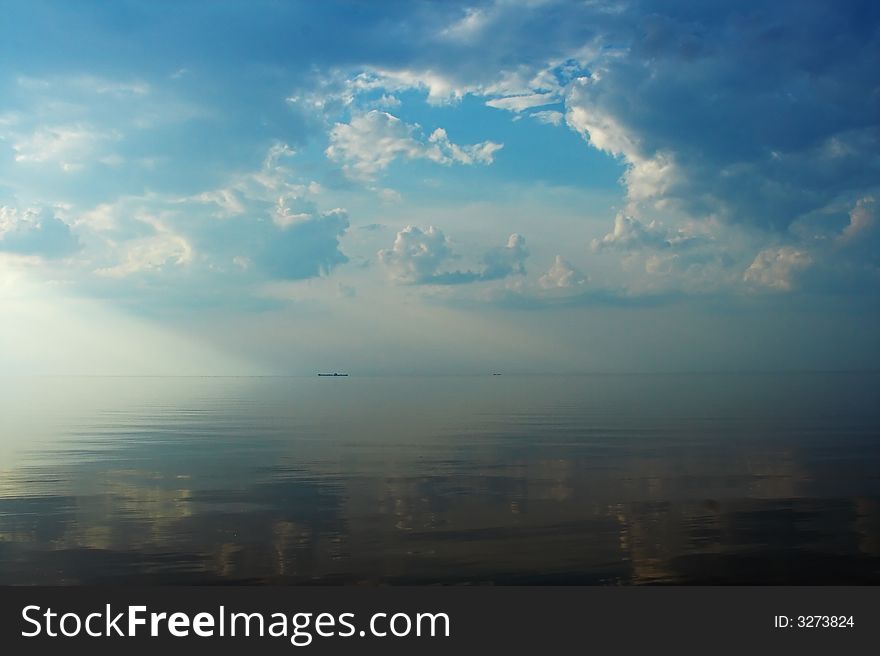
[{"x": 333, "y": 375}]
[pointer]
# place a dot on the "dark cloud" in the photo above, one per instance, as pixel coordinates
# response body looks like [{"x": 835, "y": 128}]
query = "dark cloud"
[{"x": 755, "y": 112}]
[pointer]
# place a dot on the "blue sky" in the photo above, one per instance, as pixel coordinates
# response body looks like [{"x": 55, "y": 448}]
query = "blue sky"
[{"x": 438, "y": 187}]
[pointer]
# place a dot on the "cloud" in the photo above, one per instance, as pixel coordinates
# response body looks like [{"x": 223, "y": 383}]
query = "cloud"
[
  {"x": 77, "y": 123},
  {"x": 507, "y": 260},
  {"x": 272, "y": 222},
  {"x": 745, "y": 116},
  {"x": 67, "y": 146},
  {"x": 470, "y": 26},
  {"x": 862, "y": 219},
  {"x": 562, "y": 275},
  {"x": 35, "y": 232},
  {"x": 418, "y": 257},
  {"x": 630, "y": 234},
  {"x": 291, "y": 208},
  {"x": 387, "y": 101},
  {"x": 523, "y": 102},
  {"x": 162, "y": 250},
  {"x": 228, "y": 201},
  {"x": 216, "y": 245},
  {"x": 777, "y": 268},
  {"x": 441, "y": 88},
  {"x": 444, "y": 151},
  {"x": 306, "y": 248},
  {"x": 370, "y": 142},
  {"x": 648, "y": 175},
  {"x": 550, "y": 117}
]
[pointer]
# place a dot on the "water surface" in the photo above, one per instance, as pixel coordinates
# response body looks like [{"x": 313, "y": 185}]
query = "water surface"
[{"x": 604, "y": 479}]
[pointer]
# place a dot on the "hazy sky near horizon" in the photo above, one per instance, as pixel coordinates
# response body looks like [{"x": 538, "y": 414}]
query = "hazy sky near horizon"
[{"x": 446, "y": 187}]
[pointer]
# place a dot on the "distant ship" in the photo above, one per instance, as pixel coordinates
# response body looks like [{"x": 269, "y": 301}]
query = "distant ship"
[
  {"x": 496, "y": 374},
  {"x": 333, "y": 374}
]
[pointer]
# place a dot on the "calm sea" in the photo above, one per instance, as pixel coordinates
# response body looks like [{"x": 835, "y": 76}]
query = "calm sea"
[{"x": 602, "y": 479}]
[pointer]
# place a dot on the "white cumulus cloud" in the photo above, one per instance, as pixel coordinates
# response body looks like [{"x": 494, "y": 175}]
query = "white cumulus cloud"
[
  {"x": 419, "y": 257},
  {"x": 562, "y": 275},
  {"x": 370, "y": 142}
]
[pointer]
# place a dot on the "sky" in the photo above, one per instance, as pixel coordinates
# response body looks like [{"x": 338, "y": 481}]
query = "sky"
[{"x": 420, "y": 187}]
